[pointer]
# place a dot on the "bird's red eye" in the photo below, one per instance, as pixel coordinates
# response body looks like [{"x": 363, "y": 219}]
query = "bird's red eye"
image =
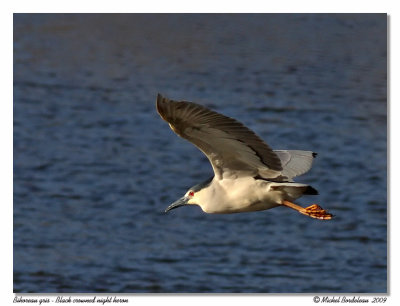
[{"x": 191, "y": 194}]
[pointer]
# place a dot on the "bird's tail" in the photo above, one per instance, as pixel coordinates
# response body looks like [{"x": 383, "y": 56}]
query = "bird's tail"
[{"x": 293, "y": 191}]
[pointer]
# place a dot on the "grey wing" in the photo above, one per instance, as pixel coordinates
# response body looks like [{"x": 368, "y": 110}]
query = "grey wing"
[
  {"x": 232, "y": 148},
  {"x": 295, "y": 162}
]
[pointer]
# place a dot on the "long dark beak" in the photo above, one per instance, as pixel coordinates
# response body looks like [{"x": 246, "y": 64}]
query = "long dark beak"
[{"x": 182, "y": 201}]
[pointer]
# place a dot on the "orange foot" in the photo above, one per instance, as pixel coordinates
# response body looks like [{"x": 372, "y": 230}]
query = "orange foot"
[
  {"x": 316, "y": 211},
  {"x": 313, "y": 211}
]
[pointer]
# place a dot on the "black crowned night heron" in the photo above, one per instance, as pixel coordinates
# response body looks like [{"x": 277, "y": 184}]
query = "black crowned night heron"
[{"x": 248, "y": 174}]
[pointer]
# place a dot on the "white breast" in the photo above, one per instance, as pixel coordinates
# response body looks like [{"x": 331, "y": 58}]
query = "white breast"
[{"x": 238, "y": 195}]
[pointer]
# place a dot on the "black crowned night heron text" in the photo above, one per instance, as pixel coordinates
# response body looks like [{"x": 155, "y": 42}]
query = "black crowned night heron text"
[{"x": 248, "y": 174}]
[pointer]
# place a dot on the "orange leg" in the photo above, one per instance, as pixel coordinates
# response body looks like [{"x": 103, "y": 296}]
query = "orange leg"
[{"x": 313, "y": 211}]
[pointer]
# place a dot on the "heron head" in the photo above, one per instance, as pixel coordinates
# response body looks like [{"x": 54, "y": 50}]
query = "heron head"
[
  {"x": 187, "y": 199},
  {"x": 194, "y": 196}
]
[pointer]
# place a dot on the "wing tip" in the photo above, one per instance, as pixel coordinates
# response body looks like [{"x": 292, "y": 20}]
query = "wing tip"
[
  {"x": 159, "y": 99},
  {"x": 160, "y": 102},
  {"x": 314, "y": 154}
]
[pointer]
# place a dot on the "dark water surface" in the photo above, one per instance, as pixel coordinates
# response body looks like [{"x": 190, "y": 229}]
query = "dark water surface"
[{"x": 95, "y": 166}]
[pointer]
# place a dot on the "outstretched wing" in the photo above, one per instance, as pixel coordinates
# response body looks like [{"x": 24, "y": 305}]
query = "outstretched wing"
[{"x": 232, "y": 148}]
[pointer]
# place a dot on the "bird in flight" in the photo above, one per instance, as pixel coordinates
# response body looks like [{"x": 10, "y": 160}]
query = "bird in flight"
[{"x": 248, "y": 174}]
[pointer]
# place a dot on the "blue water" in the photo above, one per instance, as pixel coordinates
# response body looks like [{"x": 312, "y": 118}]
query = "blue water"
[{"x": 95, "y": 166}]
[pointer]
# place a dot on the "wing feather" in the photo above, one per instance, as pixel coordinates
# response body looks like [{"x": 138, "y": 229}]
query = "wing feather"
[
  {"x": 295, "y": 162},
  {"x": 229, "y": 145}
]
